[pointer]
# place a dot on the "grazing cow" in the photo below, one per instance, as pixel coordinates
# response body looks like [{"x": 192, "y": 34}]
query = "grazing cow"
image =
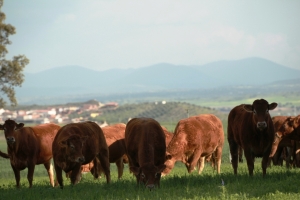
[
  {"x": 114, "y": 135},
  {"x": 290, "y": 129},
  {"x": 195, "y": 138},
  {"x": 77, "y": 144},
  {"x": 29, "y": 146},
  {"x": 168, "y": 135},
  {"x": 146, "y": 150},
  {"x": 251, "y": 127}
]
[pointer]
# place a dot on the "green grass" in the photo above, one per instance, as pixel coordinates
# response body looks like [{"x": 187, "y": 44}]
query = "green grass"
[{"x": 280, "y": 183}]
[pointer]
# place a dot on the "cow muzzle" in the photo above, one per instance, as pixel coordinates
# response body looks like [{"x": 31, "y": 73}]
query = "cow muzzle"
[
  {"x": 261, "y": 125},
  {"x": 10, "y": 140},
  {"x": 150, "y": 186},
  {"x": 80, "y": 159}
]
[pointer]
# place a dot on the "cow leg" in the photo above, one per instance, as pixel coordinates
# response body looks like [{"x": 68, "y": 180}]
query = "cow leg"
[
  {"x": 288, "y": 157},
  {"x": 250, "y": 161},
  {"x": 120, "y": 166},
  {"x": 31, "y": 167},
  {"x": 193, "y": 159},
  {"x": 96, "y": 170},
  {"x": 217, "y": 158},
  {"x": 240, "y": 154},
  {"x": 264, "y": 162},
  {"x": 201, "y": 164},
  {"x": 76, "y": 174},
  {"x": 49, "y": 167},
  {"x": 104, "y": 162},
  {"x": 59, "y": 178},
  {"x": 17, "y": 176},
  {"x": 234, "y": 154}
]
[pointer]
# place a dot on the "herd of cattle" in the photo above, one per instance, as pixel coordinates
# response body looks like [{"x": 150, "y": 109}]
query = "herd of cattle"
[{"x": 149, "y": 148}]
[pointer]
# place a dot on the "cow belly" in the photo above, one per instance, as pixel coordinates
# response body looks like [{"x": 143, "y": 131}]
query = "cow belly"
[{"x": 18, "y": 163}]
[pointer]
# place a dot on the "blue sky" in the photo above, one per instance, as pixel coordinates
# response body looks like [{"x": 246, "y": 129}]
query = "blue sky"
[{"x": 105, "y": 34}]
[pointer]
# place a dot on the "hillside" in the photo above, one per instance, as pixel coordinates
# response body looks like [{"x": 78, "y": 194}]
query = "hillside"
[
  {"x": 167, "y": 114},
  {"x": 73, "y": 83}
]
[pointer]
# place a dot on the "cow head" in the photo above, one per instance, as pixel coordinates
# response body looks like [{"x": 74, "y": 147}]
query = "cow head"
[
  {"x": 260, "y": 109},
  {"x": 169, "y": 164},
  {"x": 148, "y": 174},
  {"x": 9, "y": 127},
  {"x": 74, "y": 146},
  {"x": 288, "y": 129}
]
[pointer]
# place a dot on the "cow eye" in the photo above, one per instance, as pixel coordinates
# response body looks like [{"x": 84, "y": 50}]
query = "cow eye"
[
  {"x": 254, "y": 112},
  {"x": 4, "y": 128},
  {"x": 72, "y": 147},
  {"x": 267, "y": 111},
  {"x": 142, "y": 175},
  {"x": 156, "y": 175}
]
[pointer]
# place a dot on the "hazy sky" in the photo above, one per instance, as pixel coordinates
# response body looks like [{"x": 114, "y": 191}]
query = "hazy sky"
[{"x": 105, "y": 34}]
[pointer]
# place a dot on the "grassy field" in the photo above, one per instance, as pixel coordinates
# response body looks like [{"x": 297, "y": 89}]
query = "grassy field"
[{"x": 280, "y": 183}]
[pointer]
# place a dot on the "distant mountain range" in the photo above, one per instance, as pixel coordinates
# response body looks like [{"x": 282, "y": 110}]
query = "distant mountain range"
[{"x": 77, "y": 81}]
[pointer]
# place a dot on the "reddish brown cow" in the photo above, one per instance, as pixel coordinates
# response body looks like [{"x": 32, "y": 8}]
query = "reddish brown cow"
[
  {"x": 146, "y": 150},
  {"x": 251, "y": 127},
  {"x": 285, "y": 150},
  {"x": 114, "y": 135},
  {"x": 29, "y": 146},
  {"x": 168, "y": 135},
  {"x": 77, "y": 144},
  {"x": 194, "y": 138},
  {"x": 290, "y": 129}
]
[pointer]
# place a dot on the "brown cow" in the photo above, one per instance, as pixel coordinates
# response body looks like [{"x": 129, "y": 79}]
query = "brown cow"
[
  {"x": 77, "y": 144},
  {"x": 285, "y": 150},
  {"x": 251, "y": 127},
  {"x": 168, "y": 135},
  {"x": 114, "y": 135},
  {"x": 195, "y": 138},
  {"x": 290, "y": 129},
  {"x": 146, "y": 150},
  {"x": 29, "y": 146}
]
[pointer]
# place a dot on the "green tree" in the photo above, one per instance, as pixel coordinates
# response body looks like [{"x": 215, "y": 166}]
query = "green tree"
[{"x": 11, "y": 74}]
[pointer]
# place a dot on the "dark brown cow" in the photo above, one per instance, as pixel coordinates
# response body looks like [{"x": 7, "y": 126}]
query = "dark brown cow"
[
  {"x": 251, "y": 127},
  {"x": 77, "y": 144},
  {"x": 146, "y": 150},
  {"x": 195, "y": 138},
  {"x": 29, "y": 146},
  {"x": 114, "y": 135},
  {"x": 290, "y": 129}
]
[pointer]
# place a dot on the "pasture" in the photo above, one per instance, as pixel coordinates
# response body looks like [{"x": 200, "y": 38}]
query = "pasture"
[{"x": 280, "y": 183}]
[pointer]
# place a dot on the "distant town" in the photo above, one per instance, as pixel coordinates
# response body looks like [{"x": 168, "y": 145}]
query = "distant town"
[{"x": 56, "y": 114}]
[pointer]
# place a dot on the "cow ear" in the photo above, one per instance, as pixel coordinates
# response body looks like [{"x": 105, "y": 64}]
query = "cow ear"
[
  {"x": 161, "y": 168},
  {"x": 135, "y": 170},
  {"x": 20, "y": 125},
  {"x": 272, "y": 106},
  {"x": 248, "y": 108}
]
